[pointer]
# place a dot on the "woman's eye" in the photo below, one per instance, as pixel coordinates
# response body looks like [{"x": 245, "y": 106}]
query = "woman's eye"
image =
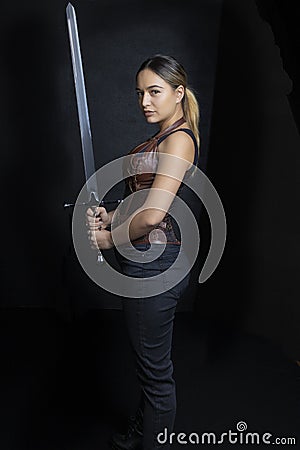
[{"x": 155, "y": 91}]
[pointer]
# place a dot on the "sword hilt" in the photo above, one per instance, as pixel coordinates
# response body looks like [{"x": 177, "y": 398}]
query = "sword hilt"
[{"x": 94, "y": 204}]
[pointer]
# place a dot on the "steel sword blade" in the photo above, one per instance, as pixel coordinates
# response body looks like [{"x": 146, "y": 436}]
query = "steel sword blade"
[
  {"x": 82, "y": 106},
  {"x": 83, "y": 112}
]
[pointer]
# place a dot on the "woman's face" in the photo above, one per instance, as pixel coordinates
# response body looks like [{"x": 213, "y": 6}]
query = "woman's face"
[{"x": 158, "y": 100}]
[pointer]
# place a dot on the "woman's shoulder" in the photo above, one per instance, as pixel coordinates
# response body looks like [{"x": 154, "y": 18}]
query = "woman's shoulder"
[
  {"x": 179, "y": 137},
  {"x": 179, "y": 143}
]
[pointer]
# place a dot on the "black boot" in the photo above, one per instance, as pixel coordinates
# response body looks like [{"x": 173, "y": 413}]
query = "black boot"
[{"x": 132, "y": 439}]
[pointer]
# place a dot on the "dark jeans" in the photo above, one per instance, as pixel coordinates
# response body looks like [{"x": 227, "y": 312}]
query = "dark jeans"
[{"x": 149, "y": 322}]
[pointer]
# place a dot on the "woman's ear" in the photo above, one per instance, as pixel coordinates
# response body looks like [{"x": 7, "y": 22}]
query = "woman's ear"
[{"x": 179, "y": 93}]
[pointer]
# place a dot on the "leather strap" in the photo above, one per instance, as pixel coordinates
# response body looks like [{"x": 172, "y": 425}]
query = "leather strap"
[{"x": 151, "y": 143}]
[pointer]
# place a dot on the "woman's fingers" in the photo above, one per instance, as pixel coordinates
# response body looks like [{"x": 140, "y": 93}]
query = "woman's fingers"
[
  {"x": 101, "y": 213},
  {"x": 100, "y": 210},
  {"x": 95, "y": 219},
  {"x": 92, "y": 221},
  {"x": 92, "y": 239},
  {"x": 90, "y": 212}
]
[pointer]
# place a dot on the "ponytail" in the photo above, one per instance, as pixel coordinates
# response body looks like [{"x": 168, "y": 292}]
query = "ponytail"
[{"x": 192, "y": 113}]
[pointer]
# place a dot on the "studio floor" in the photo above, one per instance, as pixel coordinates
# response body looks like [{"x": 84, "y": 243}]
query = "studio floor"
[{"x": 69, "y": 383}]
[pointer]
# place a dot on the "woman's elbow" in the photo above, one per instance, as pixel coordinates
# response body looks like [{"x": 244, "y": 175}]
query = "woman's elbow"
[{"x": 154, "y": 217}]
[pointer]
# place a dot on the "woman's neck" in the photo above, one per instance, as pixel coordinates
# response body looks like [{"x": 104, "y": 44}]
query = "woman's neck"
[{"x": 167, "y": 123}]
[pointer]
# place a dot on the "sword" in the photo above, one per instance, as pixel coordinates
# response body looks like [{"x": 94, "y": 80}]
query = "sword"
[{"x": 84, "y": 121}]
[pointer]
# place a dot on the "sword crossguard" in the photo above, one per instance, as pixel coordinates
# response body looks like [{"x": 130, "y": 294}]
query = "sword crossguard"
[{"x": 92, "y": 203}]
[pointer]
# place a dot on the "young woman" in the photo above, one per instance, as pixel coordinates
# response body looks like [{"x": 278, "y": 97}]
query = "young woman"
[{"x": 165, "y": 99}]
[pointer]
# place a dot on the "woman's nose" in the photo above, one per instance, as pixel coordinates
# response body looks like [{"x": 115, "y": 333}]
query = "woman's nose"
[{"x": 146, "y": 99}]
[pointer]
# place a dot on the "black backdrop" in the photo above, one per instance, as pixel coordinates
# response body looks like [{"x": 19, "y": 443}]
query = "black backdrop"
[{"x": 245, "y": 88}]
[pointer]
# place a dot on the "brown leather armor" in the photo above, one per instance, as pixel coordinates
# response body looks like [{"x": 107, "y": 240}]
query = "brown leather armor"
[{"x": 142, "y": 170}]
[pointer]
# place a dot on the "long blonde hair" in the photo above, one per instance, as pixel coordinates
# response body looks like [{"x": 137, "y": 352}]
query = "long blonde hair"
[{"x": 171, "y": 71}]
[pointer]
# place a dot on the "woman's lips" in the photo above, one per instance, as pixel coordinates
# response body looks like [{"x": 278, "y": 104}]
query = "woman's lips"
[{"x": 148, "y": 113}]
